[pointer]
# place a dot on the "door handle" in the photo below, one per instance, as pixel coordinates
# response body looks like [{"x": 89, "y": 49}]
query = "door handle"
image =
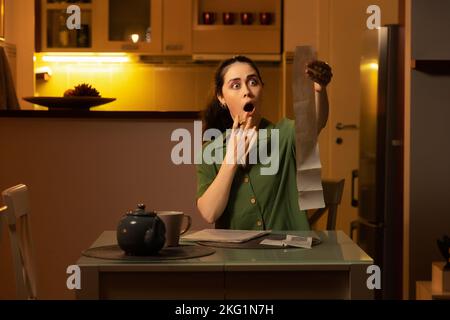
[
  {"x": 174, "y": 47},
  {"x": 341, "y": 126},
  {"x": 355, "y": 224}
]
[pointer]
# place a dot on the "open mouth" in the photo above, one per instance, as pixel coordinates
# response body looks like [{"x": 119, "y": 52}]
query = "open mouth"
[{"x": 249, "y": 107}]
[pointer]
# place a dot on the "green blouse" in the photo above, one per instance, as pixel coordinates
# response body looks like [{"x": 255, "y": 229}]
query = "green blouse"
[{"x": 260, "y": 202}]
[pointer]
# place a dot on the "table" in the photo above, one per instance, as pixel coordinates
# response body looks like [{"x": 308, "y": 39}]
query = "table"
[{"x": 335, "y": 269}]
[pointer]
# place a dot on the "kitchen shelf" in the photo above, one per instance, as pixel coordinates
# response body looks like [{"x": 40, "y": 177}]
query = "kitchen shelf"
[
  {"x": 203, "y": 27},
  {"x": 238, "y": 38}
]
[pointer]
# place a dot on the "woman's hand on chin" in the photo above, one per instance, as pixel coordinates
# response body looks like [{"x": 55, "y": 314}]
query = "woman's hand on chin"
[
  {"x": 242, "y": 138},
  {"x": 248, "y": 121}
]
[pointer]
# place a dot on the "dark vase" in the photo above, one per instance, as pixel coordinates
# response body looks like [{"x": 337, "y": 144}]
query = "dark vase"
[
  {"x": 209, "y": 17},
  {"x": 228, "y": 18},
  {"x": 265, "y": 18},
  {"x": 246, "y": 18}
]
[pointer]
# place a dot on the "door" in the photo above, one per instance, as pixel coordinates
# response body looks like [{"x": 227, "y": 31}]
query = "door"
[{"x": 343, "y": 47}]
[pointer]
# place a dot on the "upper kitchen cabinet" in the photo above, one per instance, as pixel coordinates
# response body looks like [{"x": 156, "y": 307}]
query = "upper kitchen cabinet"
[
  {"x": 300, "y": 23},
  {"x": 223, "y": 27},
  {"x": 177, "y": 27},
  {"x": 54, "y": 35},
  {"x": 106, "y": 25},
  {"x": 132, "y": 25}
]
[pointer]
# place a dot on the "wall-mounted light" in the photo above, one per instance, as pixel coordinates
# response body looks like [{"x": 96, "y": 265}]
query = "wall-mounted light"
[
  {"x": 43, "y": 73},
  {"x": 369, "y": 66},
  {"x": 135, "y": 37},
  {"x": 373, "y": 66},
  {"x": 86, "y": 58}
]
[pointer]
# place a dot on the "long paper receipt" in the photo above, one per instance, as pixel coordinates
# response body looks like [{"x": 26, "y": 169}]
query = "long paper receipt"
[{"x": 309, "y": 180}]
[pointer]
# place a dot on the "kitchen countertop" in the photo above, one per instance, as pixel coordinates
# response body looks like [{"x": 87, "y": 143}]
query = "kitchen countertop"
[{"x": 101, "y": 114}]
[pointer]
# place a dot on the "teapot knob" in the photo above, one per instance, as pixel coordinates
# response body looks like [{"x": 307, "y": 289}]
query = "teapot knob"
[{"x": 141, "y": 206}]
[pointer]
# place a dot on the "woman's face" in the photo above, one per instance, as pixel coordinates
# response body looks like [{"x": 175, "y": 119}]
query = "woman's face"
[{"x": 241, "y": 86}]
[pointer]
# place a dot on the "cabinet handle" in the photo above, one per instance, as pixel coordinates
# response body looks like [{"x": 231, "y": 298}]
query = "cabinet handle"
[
  {"x": 174, "y": 47},
  {"x": 128, "y": 47}
]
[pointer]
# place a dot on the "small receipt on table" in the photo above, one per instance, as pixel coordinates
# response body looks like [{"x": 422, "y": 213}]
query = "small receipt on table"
[{"x": 290, "y": 241}]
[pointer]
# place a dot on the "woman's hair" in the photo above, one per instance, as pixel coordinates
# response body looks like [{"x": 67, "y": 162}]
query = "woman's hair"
[{"x": 216, "y": 116}]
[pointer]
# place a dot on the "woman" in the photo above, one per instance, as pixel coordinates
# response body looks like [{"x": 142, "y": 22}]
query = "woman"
[{"x": 237, "y": 196}]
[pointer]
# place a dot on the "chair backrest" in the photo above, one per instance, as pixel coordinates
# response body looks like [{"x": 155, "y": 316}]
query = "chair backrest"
[
  {"x": 332, "y": 194},
  {"x": 17, "y": 212}
]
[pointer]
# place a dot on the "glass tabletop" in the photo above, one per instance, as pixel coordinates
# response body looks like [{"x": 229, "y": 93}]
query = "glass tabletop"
[{"x": 336, "y": 250}]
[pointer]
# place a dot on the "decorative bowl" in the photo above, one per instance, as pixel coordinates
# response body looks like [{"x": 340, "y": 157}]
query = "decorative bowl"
[{"x": 69, "y": 103}]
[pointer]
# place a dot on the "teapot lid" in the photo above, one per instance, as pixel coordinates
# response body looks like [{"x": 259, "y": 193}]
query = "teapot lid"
[{"x": 140, "y": 211}]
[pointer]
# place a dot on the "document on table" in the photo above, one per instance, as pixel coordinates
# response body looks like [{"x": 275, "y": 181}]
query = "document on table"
[
  {"x": 309, "y": 180},
  {"x": 224, "y": 235},
  {"x": 293, "y": 241}
]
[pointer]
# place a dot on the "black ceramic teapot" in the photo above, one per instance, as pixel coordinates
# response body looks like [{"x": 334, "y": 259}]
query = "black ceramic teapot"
[{"x": 141, "y": 233}]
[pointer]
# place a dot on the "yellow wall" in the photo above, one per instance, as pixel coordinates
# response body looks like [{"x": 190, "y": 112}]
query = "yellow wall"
[
  {"x": 136, "y": 86},
  {"x": 142, "y": 86}
]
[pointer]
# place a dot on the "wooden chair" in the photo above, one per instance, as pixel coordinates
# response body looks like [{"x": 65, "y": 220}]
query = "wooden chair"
[
  {"x": 17, "y": 211},
  {"x": 332, "y": 194}
]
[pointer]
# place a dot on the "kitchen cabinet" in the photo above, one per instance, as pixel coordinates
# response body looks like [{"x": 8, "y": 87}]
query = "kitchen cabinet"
[
  {"x": 301, "y": 23},
  {"x": 106, "y": 26},
  {"x": 163, "y": 27},
  {"x": 177, "y": 27},
  {"x": 251, "y": 27},
  {"x": 132, "y": 26},
  {"x": 53, "y": 34}
]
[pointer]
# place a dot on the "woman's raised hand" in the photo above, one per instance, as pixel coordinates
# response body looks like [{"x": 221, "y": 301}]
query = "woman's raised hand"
[
  {"x": 240, "y": 141},
  {"x": 320, "y": 72}
]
